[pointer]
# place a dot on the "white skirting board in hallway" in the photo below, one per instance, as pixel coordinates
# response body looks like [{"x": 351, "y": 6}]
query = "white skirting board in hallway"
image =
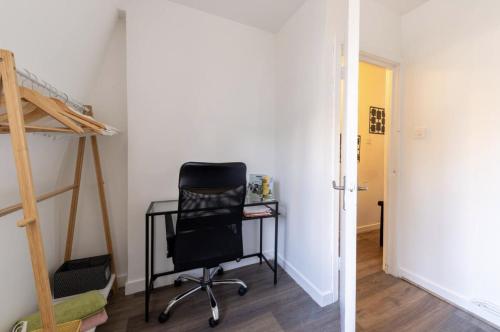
[
  {"x": 481, "y": 309},
  {"x": 368, "y": 228}
]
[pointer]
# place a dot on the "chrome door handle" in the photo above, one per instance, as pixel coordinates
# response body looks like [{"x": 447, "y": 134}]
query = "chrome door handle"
[
  {"x": 337, "y": 187},
  {"x": 340, "y": 188}
]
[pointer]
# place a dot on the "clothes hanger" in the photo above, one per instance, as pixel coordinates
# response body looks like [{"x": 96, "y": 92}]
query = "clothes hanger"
[{"x": 49, "y": 106}]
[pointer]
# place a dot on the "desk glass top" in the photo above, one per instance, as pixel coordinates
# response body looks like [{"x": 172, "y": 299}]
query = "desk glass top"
[{"x": 171, "y": 206}]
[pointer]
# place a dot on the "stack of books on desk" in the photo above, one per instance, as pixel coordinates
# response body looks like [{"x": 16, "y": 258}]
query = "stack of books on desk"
[{"x": 257, "y": 211}]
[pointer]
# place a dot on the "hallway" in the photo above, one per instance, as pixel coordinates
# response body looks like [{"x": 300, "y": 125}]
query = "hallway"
[{"x": 385, "y": 303}]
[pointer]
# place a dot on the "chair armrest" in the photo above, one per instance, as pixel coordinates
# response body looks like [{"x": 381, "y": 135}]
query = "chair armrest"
[{"x": 169, "y": 228}]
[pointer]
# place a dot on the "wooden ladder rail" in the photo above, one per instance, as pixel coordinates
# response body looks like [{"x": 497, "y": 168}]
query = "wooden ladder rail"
[
  {"x": 104, "y": 206},
  {"x": 26, "y": 189},
  {"x": 74, "y": 198}
]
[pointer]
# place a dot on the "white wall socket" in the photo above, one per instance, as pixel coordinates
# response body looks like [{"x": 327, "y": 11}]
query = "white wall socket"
[{"x": 420, "y": 133}]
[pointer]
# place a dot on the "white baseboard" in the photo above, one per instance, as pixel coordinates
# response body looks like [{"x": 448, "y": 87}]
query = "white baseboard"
[
  {"x": 368, "y": 228},
  {"x": 121, "y": 279},
  {"x": 322, "y": 298},
  {"x": 483, "y": 310},
  {"x": 138, "y": 285}
]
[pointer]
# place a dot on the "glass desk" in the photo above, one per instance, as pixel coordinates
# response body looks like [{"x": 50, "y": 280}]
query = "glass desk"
[{"x": 170, "y": 207}]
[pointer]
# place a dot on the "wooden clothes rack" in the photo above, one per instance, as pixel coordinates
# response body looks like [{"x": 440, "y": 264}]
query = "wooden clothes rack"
[{"x": 24, "y": 108}]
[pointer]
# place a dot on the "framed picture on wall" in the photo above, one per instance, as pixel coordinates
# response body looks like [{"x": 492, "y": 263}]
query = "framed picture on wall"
[{"x": 377, "y": 120}]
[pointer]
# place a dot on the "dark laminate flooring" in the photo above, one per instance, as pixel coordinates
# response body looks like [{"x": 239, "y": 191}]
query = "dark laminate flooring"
[
  {"x": 384, "y": 304},
  {"x": 265, "y": 307}
]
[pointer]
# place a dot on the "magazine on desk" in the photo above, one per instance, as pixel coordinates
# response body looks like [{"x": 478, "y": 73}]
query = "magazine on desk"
[{"x": 257, "y": 211}]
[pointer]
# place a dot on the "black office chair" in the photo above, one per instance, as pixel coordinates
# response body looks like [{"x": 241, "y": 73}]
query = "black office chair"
[{"x": 208, "y": 229}]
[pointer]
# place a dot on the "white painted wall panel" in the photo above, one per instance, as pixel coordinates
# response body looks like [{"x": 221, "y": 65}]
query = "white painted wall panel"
[{"x": 449, "y": 212}]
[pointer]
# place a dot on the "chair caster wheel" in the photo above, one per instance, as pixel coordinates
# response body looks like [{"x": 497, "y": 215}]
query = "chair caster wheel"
[
  {"x": 212, "y": 322},
  {"x": 177, "y": 282},
  {"x": 242, "y": 291},
  {"x": 163, "y": 317},
  {"x": 220, "y": 271}
]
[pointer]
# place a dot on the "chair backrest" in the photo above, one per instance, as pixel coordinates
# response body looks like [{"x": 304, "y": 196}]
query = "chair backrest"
[{"x": 211, "y": 200}]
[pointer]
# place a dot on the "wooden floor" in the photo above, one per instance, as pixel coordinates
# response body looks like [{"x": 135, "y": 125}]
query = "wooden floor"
[
  {"x": 384, "y": 304},
  {"x": 264, "y": 308}
]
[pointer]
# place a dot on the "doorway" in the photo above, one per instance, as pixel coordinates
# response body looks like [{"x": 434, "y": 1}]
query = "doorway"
[
  {"x": 387, "y": 219},
  {"x": 377, "y": 209},
  {"x": 374, "y": 114}
]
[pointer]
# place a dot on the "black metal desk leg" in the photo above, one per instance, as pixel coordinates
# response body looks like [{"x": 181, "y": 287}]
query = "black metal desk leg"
[
  {"x": 276, "y": 245},
  {"x": 381, "y": 204},
  {"x": 146, "y": 289},
  {"x": 152, "y": 252},
  {"x": 260, "y": 257}
]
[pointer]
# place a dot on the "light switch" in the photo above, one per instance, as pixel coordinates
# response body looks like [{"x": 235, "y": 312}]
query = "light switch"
[{"x": 420, "y": 133}]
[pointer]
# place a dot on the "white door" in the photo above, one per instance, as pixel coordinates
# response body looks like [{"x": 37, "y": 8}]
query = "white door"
[{"x": 348, "y": 178}]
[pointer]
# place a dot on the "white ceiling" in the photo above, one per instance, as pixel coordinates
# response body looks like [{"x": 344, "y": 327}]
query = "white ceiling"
[
  {"x": 269, "y": 15},
  {"x": 402, "y": 6}
]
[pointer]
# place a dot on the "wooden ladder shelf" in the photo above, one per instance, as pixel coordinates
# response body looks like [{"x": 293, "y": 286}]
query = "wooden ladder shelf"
[{"x": 36, "y": 107}]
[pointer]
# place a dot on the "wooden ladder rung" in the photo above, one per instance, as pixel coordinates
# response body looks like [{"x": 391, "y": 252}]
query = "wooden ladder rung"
[
  {"x": 25, "y": 222},
  {"x": 41, "y": 198}
]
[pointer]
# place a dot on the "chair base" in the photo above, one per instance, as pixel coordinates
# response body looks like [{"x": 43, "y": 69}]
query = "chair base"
[{"x": 205, "y": 283}]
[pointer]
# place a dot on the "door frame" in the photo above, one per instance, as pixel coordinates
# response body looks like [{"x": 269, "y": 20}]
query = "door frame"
[
  {"x": 348, "y": 116},
  {"x": 392, "y": 180}
]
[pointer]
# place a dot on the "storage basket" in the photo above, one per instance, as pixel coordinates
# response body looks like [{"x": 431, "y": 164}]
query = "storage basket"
[{"x": 82, "y": 275}]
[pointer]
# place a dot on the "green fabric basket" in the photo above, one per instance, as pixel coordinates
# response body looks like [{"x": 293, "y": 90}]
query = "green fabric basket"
[{"x": 77, "y": 308}]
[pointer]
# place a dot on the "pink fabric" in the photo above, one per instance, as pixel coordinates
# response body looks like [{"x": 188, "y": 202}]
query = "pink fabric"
[{"x": 94, "y": 321}]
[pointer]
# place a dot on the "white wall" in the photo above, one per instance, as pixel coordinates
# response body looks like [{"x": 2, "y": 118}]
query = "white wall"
[
  {"x": 108, "y": 96},
  {"x": 62, "y": 42},
  {"x": 304, "y": 148},
  {"x": 200, "y": 88},
  {"x": 448, "y": 226},
  {"x": 195, "y": 80},
  {"x": 380, "y": 31}
]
